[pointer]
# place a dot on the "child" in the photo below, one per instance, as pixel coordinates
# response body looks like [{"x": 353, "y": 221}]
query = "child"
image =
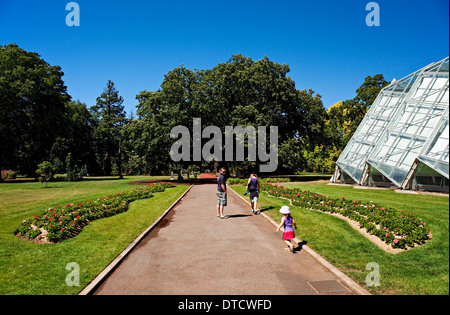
[{"x": 289, "y": 224}]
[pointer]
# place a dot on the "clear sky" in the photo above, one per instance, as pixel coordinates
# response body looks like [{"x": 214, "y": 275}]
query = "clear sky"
[{"x": 327, "y": 44}]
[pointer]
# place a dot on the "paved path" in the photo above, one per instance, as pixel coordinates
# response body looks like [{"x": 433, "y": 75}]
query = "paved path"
[{"x": 192, "y": 252}]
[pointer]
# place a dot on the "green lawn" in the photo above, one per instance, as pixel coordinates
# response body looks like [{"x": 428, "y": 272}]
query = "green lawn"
[
  {"x": 28, "y": 268},
  {"x": 422, "y": 270}
]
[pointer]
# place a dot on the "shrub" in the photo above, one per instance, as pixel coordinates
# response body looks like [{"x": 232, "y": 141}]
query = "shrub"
[
  {"x": 45, "y": 171},
  {"x": 9, "y": 174}
]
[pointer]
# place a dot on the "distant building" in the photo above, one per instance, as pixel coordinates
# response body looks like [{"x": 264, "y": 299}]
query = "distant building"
[{"x": 403, "y": 140}]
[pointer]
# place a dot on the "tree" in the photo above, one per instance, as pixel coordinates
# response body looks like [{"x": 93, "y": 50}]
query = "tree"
[
  {"x": 357, "y": 108},
  {"x": 341, "y": 121},
  {"x": 109, "y": 118},
  {"x": 45, "y": 171},
  {"x": 240, "y": 92},
  {"x": 291, "y": 156},
  {"x": 369, "y": 90},
  {"x": 76, "y": 139},
  {"x": 32, "y": 101}
]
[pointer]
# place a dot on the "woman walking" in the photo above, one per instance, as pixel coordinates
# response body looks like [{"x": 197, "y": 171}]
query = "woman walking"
[{"x": 253, "y": 188}]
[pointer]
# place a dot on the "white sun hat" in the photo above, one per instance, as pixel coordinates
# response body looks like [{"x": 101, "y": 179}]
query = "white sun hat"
[{"x": 285, "y": 210}]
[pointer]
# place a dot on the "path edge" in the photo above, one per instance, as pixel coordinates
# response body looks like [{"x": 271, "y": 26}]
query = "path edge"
[
  {"x": 101, "y": 277},
  {"x": 352, "y": 284}
]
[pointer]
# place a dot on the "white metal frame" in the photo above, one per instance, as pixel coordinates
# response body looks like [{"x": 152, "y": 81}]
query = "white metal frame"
[{"x": 408, "y": 122}]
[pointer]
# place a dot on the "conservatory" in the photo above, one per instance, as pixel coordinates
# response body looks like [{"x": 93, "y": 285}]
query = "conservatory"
[{"x": 403, "y": 140}]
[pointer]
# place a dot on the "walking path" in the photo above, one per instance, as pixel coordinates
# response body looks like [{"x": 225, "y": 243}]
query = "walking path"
[{"x": 192, "y": 252}]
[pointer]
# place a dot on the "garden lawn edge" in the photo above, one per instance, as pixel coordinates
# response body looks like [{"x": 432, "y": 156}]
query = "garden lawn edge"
[
  {"x": 339, "y": 274},
  {"x": 101, "y": 277}
]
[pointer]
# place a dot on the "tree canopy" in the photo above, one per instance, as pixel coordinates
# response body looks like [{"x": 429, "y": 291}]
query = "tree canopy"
[
  {"x": 33, "y": 99},
  {"x": 39, "y": 122},
  {"x": 240, "y": 92}
]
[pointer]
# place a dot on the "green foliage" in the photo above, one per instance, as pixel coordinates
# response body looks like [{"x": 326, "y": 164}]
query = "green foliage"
[
  {"x": 11, "y": 175},
  {"x": 71, "y": 169},
  {"x": 32, "y": 102},
  {"x": 42, "y": 122},
  {"x": 342, "y": 120},
  {"x": 240, "y": 92},
  {"x": 45, "y": 171},
  {"x": 76, "y": 139},
  {"x": 109, "y": 117}
]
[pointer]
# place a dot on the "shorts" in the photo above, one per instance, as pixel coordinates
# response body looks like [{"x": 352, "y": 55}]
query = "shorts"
[
  {"x": 254, "y": 196},
  {"x": 221, "y": 198},
  {"x": 287, "y": 236}
]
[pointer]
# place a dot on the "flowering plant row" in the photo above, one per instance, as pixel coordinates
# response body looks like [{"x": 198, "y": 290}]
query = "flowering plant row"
[
  {"x": 400, "y": 229},
  {"x": 56, "y": 224}
]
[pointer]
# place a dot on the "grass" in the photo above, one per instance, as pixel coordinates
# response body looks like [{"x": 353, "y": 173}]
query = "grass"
[
  {"x": 28, "y": 268},
  {"x": 422, "y": 270}
]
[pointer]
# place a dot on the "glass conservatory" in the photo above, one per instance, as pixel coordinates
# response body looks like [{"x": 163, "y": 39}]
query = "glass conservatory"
[{"x": 403, "y": 140}]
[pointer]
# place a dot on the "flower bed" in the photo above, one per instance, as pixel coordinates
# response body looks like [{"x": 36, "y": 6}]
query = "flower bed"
[
  {"x": 56, "y": 224},
  {"x": 400, "y": 229}
]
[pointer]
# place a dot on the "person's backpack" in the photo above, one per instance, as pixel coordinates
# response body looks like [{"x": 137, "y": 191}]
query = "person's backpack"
[{"x": 252, "y": 185}]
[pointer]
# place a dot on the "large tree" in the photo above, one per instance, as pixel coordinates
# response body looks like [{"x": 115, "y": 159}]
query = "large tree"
[
  {"x": 33, "y": 99},
  {"x": 240, "y": 92},
  {"x": 109, "y": 117}
]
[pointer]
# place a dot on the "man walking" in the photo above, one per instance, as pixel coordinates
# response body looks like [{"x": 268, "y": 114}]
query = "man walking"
[{"x": 221, "y": 193}]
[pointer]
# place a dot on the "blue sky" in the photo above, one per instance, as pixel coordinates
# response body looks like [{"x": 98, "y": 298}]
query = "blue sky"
[{"x": 327, "y": 44}]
